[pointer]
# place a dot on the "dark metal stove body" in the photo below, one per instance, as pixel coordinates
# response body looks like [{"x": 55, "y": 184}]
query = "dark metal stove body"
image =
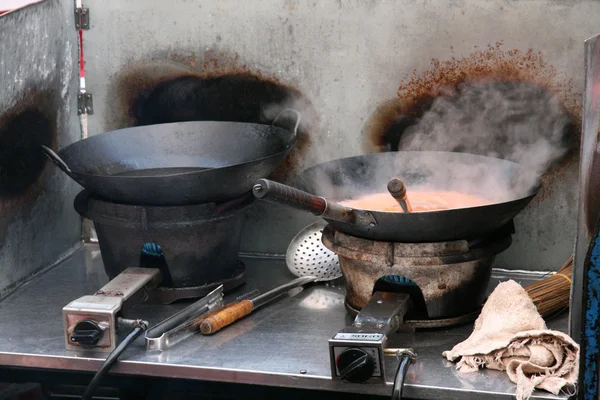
[{"x": 198, "y": 245}]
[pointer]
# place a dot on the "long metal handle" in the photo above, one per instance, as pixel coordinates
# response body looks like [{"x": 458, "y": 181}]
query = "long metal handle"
[
  {"x": 272, "y": 294},
  {"x": 298, "y": 118},
  {"x": 56, "y": 160},
  {"x": 238, "y": 310}
]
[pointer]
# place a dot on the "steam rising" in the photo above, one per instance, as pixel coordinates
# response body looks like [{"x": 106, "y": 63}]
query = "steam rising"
[
  {"x": 276, "y": 110},
  {"x": 513, "y": 121},
  {"x": 522, "y": 126}
]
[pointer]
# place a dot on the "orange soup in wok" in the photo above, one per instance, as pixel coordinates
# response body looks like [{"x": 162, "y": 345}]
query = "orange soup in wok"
[{"x": 419, "y": 200}]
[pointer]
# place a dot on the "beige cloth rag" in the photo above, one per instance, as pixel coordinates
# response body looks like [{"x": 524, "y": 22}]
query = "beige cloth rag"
[{"x": 510, "y": 335}]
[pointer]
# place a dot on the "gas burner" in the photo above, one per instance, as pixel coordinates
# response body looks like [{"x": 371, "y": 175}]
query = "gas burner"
[
  {"x": 446, "y": 280},
  {"x": 194, "y": 246},
  {"x": 179, "y": 252},
  {"x": 393, "y": 287}
]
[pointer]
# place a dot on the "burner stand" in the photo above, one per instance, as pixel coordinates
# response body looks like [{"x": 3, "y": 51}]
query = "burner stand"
[{"x": 448, "y": 280}]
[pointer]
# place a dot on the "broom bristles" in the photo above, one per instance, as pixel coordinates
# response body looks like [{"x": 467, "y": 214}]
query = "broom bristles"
[{"x": 552, "y": 294}]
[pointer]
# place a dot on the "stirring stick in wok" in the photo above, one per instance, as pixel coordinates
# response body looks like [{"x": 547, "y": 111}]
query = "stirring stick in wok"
[{"x": 398, "y": 191}]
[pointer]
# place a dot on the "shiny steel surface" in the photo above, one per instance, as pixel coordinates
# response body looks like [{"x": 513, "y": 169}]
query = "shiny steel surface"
[
  {"x": 269, "y": 347},
  {"x": 38, "y": 226},
  {"x": 182, "y": 325},
  {"x": 279, "y": 291},
  {"x": 589, "y": 176}
]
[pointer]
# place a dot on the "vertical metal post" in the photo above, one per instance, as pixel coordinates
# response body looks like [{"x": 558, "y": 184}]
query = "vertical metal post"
[{"x": 585, "y": 289}]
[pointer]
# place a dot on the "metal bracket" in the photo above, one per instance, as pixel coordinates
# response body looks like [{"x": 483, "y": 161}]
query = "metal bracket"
[
  {"x": 82, "y": 18},
  {"x": 384, "y": 312},
  {"x": 85, "y": 103}
]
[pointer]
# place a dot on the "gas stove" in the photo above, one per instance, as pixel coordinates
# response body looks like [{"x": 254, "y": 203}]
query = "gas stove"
[
  {"x": 446, "y": 280},
  {"x": 195, "y": 246},
  {"x": 393, "y": 287}
]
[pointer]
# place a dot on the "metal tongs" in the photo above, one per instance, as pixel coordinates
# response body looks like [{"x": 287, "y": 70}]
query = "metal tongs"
[{"x": 183, "y": 324}]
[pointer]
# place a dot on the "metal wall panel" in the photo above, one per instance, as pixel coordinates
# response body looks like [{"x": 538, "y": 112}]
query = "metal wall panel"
[
  {"x": 349, "y": 57},
  {"x": 38, "y": 84}
]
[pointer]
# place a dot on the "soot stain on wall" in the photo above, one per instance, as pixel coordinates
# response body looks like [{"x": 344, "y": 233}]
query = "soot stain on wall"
[
  {"x": 30, "y": 123},
  {"x": 23, "y": 129},
  {"x": 416, "y": 94},
  {"x": 216, "y": 87}
]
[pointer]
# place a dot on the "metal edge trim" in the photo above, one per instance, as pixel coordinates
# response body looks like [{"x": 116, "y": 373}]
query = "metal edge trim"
[{"x": 263, "y": 378}]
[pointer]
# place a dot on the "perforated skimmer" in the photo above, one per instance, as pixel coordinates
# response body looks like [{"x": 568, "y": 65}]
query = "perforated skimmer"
[{"x": 307, "y": 256}]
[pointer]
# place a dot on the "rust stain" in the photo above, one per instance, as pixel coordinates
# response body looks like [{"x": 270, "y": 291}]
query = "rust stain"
[
  {"x": 141, "y": 79},
  {"x": 493, "y": 63}
]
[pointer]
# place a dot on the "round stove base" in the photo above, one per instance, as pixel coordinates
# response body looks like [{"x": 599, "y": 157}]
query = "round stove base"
[
  {"x": 167, "y": 295},
  {"x": 196, "y": 246},
  {"x": 412, "y": 325},
  {"x": 446, "y": 280}
]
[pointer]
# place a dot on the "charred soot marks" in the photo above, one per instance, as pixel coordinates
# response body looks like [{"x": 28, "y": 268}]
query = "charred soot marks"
[
  {"x": 489, "y": 118},
  {"x": 416, "y": 94},
  {"x": 23, "y": 130},
  {"x": 240, "y": 98},
  {"x": 217, "y": 89},
  {"x": 525, "y": 73}
]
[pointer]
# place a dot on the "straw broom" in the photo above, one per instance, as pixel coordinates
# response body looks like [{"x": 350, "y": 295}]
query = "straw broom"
[{"x": 551, "y": 295}]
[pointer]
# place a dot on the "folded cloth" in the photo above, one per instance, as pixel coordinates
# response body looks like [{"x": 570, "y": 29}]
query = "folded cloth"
[{"x": 510, "y": 335}]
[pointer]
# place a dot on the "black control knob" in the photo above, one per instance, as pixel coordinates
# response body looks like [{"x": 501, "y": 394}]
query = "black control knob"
[
  {"x": 355, "y": 365},
  {"x": 87, "y": 333}
]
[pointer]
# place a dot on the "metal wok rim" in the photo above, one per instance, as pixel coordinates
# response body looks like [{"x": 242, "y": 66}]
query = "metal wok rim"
[
  {"x": 288, "y": 146},
  {"x": 297, "y": 182}
]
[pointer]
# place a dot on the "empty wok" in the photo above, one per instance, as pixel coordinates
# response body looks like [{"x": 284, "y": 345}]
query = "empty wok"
[
  {"x": 176, "y": 163},
  {"x": 508, "y": 187}
]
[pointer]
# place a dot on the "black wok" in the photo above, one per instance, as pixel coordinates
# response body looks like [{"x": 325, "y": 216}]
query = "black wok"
[
  {"x": 176, "y": 163},
  {"x": 508, "y": 186}
]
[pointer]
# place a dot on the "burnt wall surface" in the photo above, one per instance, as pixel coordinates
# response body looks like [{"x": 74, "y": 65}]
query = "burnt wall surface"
[
  {"x": 346, "y": 59},
  {"x": 38, "y": 84}
]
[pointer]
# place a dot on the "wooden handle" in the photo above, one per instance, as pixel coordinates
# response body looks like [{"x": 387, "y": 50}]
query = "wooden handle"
[
  {"x": 225, "y": 317},
  {"x": 398, "y": 191},
  {"x": 198, "y": 321}
]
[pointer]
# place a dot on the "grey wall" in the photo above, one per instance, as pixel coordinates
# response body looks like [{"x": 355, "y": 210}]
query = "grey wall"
[
  {"x": 348, "y": 57},
  {"x": 38, "y": 54}
]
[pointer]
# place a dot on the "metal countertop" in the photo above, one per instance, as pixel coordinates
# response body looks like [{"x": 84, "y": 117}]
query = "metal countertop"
[{"x": 271, "y": 347}]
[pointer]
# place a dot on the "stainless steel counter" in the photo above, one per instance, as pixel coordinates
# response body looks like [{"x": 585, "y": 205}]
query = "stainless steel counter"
[{"x": 284, "y": 344}]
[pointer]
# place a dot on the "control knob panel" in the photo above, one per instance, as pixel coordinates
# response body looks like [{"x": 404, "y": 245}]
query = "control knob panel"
[{"x": 86, "y": 333}]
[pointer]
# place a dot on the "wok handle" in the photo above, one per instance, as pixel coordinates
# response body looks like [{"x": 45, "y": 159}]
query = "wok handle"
[
  {"x": 56, "y": 160},
  {"x": 280, "y": 193},
  {"x": 298, "y": 118}
]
